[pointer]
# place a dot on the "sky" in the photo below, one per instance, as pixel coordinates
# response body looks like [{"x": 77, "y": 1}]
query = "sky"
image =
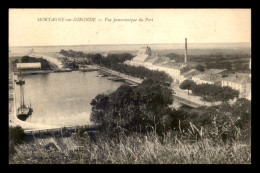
[{"x": 162, "y": 26}]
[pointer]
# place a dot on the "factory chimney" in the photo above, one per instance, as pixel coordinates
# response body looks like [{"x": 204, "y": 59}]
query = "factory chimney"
[
  {"x": 250, "y": 64},
  {"x": 185, "y": 58}
]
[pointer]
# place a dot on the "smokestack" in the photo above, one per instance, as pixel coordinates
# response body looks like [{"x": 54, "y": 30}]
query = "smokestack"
[
  {"x": 250, "y": 64},
  {"x": 185, "y": 58}
]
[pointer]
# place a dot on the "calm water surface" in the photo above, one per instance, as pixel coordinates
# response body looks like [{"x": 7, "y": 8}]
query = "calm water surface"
[{"x": 63, "y": 98}]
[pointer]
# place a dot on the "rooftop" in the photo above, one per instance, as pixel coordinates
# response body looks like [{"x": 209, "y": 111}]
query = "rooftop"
[
  {"x": 214, "y": 71},
  {"x": 151, "y": 59},
  {"x": 170, "y": 65},
  {"x": 161, "y": 60},
  {"x": 28, "y": 65},
  {"x": 141, "y": 58},
  {"x": 212, "y": 77},
  {"x": 238, "y": 78},
  {"x": 209, "y": 77},
  {"x": 191, "y": 73}
]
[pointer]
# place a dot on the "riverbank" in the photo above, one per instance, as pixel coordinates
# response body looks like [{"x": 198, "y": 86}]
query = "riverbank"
[{"x": 42, "y": 71}]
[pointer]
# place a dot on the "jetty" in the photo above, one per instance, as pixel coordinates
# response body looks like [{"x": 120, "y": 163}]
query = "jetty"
[{"x": 120, "y": 76}]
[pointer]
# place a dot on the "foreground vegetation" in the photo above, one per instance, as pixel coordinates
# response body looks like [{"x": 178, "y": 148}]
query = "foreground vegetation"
[{"x": 136, "y": 149}]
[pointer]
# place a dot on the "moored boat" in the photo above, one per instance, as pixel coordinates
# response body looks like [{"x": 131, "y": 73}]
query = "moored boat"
[{"x": 23, "y": 112}]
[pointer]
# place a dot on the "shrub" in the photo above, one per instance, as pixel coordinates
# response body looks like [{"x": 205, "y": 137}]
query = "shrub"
[
  {"x": 16, "y": 136},
  {"x": 133, "y": 108}
]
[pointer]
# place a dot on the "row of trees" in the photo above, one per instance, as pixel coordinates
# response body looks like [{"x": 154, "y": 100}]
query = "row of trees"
[
  {"x": 115, "y": 62},
  {"x": 74, "y": 54},
  {"x": 210, "y": 92}
]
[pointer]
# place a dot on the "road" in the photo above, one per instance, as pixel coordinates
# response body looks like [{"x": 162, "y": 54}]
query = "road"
[{"x": 196, "y": 99}]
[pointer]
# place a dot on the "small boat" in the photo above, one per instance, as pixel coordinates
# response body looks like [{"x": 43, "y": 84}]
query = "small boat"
[
  {"x": 24, "y": 112},
  {"x": 118, "y": 79},
  {"x": 87, "y": 70}
]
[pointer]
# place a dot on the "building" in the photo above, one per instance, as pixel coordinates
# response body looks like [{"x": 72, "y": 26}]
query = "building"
[
  {"x": 211, "y": 76},
  {"x": 28, "y": 66},
  {"x": 208, "y": 78},
  {"x": 143, "y": 55},
  {"x": 240, "y": 82},
  {"x": 189, "y": 74},
  {"x": 215, "y": 71},
  {"x": 146, "y": 58}
]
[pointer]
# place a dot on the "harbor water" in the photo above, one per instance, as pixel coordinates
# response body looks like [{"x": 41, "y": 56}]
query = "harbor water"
[{"x": 63, "y": 98}]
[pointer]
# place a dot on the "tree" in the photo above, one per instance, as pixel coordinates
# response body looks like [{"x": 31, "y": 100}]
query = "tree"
[
  {"x": 133, "y": 108},
  {"x": 16, "y": 136},
  {"x": 212, "y": 92},
  {"x": 200, "y": 68},
  {"x": 187, "y": 84}
]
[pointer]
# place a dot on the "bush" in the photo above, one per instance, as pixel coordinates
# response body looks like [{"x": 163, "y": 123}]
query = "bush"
[
  {"x": 138, "y": 109},
  {"x": 16, "y": 137},
  {"x": 214, "y": 93}
]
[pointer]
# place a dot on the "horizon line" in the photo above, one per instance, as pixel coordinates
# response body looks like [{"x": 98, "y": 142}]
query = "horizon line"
[{"x": 130, "y": 44}]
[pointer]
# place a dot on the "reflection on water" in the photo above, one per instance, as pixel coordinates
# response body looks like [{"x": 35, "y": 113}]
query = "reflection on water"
[{"x": 63, "y": 98}]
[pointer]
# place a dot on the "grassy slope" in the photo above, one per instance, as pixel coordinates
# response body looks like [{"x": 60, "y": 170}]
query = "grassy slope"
[{"x": 137, "y": 149}]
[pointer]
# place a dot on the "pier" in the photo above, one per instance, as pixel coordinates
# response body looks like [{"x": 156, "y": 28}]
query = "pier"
[
  {"x": 42, "y": 71},
  {"x": 128, "y": 79}
]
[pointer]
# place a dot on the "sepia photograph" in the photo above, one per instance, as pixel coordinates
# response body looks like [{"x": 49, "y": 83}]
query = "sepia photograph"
[{"x": 129, "y": 86}]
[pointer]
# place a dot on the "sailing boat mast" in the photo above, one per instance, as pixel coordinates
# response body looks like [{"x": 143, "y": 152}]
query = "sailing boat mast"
[
  {"x": 84, "y": 64},
  {"x": 23, "y": 110},
  {"x": 21, "y": 83}
]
